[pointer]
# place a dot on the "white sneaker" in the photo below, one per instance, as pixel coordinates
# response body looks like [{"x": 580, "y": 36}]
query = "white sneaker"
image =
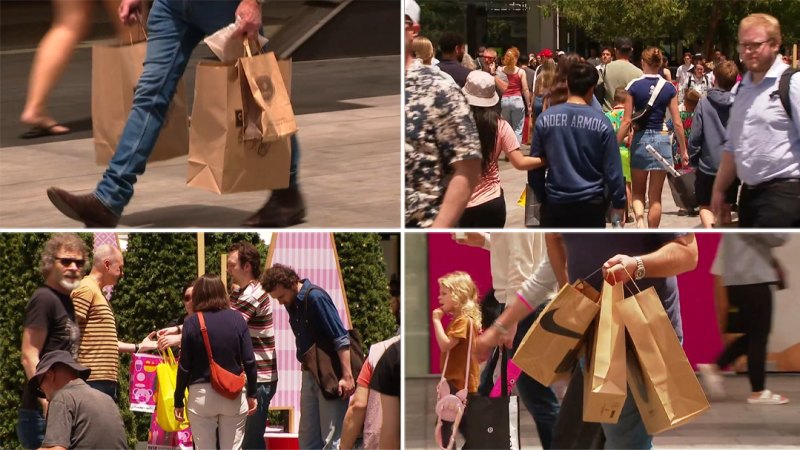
[
  {"x": 768, "y": 398},
  {"x": 712, "y": 381}
]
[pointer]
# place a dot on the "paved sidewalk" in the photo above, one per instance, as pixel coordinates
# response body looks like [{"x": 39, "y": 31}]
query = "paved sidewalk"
[
  {"x": 349, "y": 174},
  {"x": 728, "y": 424},
  {"x": 513, "y": 182}
]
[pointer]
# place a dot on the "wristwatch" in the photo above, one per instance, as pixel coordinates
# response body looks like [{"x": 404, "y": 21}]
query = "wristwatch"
[{"x": 639, "y": 268}]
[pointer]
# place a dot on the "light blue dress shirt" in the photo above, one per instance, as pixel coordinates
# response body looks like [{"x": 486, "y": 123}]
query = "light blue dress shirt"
[{"x": 764, "y": 142}]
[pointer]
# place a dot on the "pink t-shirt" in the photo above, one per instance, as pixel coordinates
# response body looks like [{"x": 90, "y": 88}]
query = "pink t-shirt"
[{"x": 489, "y": 186}]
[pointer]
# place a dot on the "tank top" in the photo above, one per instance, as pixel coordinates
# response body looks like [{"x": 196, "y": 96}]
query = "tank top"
[{"x": 514, "y": 84}]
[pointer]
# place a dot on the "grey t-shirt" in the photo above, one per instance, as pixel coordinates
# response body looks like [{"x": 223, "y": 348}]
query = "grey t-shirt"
[
  {"x": 81, "y": 417},
  {"x": 586, "y": 252}
]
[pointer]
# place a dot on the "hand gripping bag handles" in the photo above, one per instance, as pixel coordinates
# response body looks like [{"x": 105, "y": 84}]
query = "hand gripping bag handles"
[
  {"x": 225, "y": 383},
  {"x": 450, "y": 407},
  {"x": 167, "y": 375},
  {"x": 493, "y": 422}
]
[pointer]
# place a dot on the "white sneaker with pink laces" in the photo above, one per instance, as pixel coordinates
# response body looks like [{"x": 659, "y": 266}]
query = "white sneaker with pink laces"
[{"x": 767, "y": 398}]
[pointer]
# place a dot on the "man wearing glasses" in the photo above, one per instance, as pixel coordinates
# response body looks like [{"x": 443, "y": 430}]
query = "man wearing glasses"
[
  {"x": 49, "y": 325},
  {"x": 99, "y": 347},
  {"x": 763, "y": 136}
]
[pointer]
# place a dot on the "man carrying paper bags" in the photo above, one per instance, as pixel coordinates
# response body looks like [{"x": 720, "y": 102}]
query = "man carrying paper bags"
[
  {"x": 175, "y": 27},
  {"x": 652, "y": 262}
]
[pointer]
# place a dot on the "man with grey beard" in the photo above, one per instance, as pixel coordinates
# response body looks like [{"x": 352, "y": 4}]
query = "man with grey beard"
[{"x": 49, "y": 325}]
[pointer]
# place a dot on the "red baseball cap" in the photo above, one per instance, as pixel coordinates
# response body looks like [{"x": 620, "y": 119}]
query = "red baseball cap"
[{"x": 546, "y": 53}]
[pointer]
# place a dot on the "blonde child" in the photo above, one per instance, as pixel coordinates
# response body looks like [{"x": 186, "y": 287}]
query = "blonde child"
[
  {"x": 615, "y": 116},
  {"x": 458, "y": 297}
]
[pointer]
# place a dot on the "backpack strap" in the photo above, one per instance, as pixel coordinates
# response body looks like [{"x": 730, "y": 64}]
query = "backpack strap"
[{"x": 783, "y": 90}]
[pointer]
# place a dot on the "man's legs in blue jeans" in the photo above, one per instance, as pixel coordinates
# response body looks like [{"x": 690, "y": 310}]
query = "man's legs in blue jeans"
[
  {"x": 540, "y": 400},
  {"x": 629, "y": 432},
  {"x": 257, "y": 423},
  {"x": 175, "y": 28},
  {"x": 30, "y": 428}
]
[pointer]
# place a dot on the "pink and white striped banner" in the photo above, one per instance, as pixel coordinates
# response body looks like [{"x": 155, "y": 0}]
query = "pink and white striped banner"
[{"x": 312, "y": 256}]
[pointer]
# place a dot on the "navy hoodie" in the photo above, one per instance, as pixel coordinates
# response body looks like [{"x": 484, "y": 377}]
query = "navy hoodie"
[{"x": 708, "y": 129}]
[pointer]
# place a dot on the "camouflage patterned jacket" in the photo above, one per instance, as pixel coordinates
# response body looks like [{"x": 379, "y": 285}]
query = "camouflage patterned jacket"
[{"x": 440, "y": 130}]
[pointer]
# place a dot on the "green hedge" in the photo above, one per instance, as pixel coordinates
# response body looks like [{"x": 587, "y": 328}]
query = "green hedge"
[{"x": 148, "y": 297}]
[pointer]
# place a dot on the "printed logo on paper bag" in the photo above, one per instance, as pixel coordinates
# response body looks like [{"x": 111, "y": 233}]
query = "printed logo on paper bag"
[
  {"x": 549, "y": 324},
  {"x": 264, "y": 83}
]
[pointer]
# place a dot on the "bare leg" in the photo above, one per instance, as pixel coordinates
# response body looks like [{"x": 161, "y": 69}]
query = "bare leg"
[
  {"x": 70, "y": 24},
  {"x": 628, "y": 204},
  {"x": 654, "y": 189},
  {"x": 706, "y": 216},
  {"x": 639, "y": 187}
]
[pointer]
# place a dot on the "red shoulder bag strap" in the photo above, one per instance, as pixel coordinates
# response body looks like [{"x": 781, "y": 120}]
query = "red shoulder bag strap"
[{"x": 205, "y": 336}]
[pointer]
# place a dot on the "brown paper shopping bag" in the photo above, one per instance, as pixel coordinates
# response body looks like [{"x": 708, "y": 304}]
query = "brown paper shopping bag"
[
  {"x": 661, "y": 379},
  {"x": 267, "y": 110},
  {"x": 220, "y": 159},
  {"x": 550, "y": 349},
  {"x": 115, "y": 71},
  {"x": 605, "y": 387}
]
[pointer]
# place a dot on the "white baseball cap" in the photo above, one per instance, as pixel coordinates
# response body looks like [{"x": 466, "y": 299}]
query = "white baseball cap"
[{"x": 413, "y": 11}]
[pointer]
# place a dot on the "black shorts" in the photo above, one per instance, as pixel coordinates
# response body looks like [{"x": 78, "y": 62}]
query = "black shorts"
[{"x": 704, "y": 186}]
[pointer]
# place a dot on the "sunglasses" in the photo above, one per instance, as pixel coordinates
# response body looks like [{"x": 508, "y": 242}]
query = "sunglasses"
[
  {"x": 187, "y": 298},
  {"x": 66, "y": 262},
  {"x": 489, "y": 58}
]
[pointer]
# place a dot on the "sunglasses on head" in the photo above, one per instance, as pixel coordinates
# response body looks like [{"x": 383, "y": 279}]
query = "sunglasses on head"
[{"x": 66, "y": 262}]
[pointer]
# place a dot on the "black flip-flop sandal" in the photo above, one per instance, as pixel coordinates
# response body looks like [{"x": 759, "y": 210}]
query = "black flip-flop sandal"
[{"x": 39, "y": 131}]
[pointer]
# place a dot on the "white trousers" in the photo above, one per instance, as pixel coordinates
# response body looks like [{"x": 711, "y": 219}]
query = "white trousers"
[{"x": 208, "y": 410}]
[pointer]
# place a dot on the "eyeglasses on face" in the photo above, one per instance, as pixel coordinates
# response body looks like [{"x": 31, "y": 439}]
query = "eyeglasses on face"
[
  {"x": 751, "y": 46},
  {"x": 66, "y": 262}
]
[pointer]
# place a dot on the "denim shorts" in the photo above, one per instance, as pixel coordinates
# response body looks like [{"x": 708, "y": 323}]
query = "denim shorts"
[{"x": 641, "y": 159}]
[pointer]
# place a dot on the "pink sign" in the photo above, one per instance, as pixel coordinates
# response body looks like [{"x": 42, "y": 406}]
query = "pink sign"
[
  {"x": 701, "y": 342},
  {"x": 143, "y": 382}
]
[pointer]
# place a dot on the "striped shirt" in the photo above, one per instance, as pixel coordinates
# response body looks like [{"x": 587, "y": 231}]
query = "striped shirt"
[
  {"x": 98, "y": 349},
  {"x": 255, "y": 306}
]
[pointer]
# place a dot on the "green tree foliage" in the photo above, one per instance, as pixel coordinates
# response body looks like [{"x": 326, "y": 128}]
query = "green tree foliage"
[
  {"x": 19, "y": 255},
  {"x": 698, "y": 23},
  {"x": 440, "y": 17},
  {"x": 364, "y": 274}
]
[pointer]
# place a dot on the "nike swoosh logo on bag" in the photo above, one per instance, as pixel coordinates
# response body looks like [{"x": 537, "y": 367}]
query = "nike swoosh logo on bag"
[{"x": 549, "y": 324}]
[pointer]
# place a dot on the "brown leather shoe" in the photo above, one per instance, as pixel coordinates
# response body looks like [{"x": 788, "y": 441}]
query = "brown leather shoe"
[
  {"x": 284, "y": 208},
  {"x": 84, "y": 208}
]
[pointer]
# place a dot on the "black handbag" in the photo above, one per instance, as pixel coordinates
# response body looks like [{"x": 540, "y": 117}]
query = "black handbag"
[
  {"x": 323, "y": 362},
  {"x": 493, "y": 423}
]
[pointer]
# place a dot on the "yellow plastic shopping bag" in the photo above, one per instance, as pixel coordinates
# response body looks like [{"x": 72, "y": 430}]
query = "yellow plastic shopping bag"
[{"x": 167, "y": 376}]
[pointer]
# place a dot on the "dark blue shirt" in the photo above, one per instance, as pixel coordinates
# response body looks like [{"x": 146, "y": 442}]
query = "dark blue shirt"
[
  {"x": 641, "y": 89},
  {"x": 586, "y": 252},
  {"x": 321, "y": 323},
  {"x": 231, "y": 346},
  {"x": 582, "y": 154},
  {"x": 455, "y": 70}
]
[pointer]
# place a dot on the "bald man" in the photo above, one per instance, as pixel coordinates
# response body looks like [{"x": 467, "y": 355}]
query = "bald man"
[{"x": 99, "y": 347}]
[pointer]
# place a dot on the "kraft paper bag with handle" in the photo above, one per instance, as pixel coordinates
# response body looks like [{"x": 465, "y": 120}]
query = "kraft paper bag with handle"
[
  {"x": 661, "y": 379},
  {"x": 605, "y": 387},
  {"x": 267, "y": 110},
  {"x": 115, "y": 72},
  {"x": 220, "y": 159},
  {"x": 550, "y": 349}
]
